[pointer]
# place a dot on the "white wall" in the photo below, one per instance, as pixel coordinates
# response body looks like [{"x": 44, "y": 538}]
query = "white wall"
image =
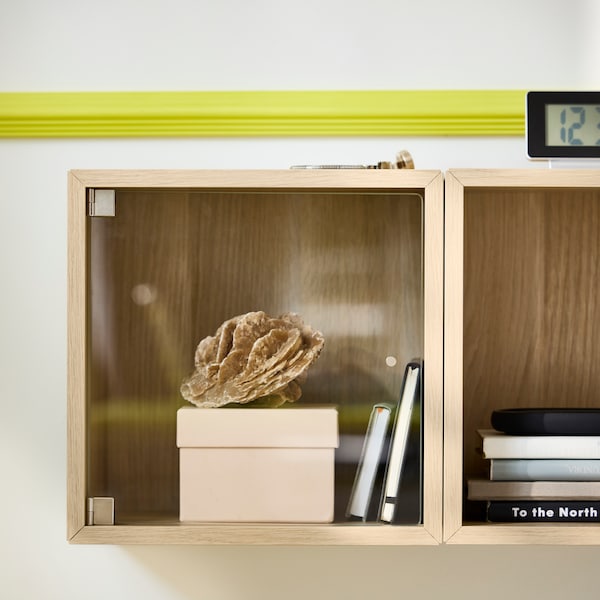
[
  {"x": 280, "y": 44},
  {"x": 229, "y": 44}
]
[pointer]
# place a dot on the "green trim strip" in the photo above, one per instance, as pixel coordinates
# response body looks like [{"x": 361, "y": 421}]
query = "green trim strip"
[{"x": 255, "y": 113}]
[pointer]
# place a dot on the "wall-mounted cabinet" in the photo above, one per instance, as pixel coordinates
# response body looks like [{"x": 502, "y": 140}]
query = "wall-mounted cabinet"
[
  {"x": 522, "y": 324},
  {"x": 159, "y": 259},
  {"x": 493, "y": 283}
]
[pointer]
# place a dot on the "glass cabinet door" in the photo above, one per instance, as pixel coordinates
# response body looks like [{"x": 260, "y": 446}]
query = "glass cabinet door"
[{"x": 172, "y": 263}]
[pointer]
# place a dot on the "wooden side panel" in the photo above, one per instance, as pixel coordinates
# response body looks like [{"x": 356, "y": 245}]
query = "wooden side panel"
[
  {"x": 453, "y": 354},
  {"x": 433, "y": 355},
  {"x": 76, "y": 352}
]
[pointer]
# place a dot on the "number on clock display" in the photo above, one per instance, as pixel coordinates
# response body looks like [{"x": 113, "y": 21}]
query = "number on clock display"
[{"x": 572, "y": 125}]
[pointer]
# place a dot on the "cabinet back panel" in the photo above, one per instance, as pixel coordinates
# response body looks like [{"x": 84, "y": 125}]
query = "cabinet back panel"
[
  {"x": 531, "y": 304},
  {"x": 173, "y": 265}
]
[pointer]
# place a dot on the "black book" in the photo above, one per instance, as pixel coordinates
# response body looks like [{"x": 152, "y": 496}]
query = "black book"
[{"x": 568, "y": 511}]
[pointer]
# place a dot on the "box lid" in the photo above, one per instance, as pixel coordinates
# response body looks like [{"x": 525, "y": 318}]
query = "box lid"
[{"x": 294, "y": 427}]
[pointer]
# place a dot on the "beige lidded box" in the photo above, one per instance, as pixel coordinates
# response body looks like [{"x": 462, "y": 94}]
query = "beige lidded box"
[{"x": 257, "y": 464}]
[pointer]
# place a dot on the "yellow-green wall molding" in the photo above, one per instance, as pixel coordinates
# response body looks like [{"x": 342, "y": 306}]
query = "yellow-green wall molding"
[{"x": 262, "y": 113}]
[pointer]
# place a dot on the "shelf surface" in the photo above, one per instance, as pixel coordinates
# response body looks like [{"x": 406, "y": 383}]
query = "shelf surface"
[
  {"x": 255, "y": 534},
  {"x": 573, "y": 534}
]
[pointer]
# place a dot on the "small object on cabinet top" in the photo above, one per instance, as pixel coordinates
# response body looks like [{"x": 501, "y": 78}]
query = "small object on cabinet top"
[{"x": 404, "y": 160}]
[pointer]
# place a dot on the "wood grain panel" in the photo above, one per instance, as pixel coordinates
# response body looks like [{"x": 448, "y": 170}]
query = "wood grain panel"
[
  {"x": 531, "y": 308},
  {"x": 433, "y": 320},
  {"x": 571, "y": 315},
  {"x": 253, "y": 535},
  {"x": 246, "y": 180},
  {"x": 502, "y": 291},
  {"x": 571, "y": 534},
  {"x": 76, "y": 358},
  {"x": 453, "y": 355}
]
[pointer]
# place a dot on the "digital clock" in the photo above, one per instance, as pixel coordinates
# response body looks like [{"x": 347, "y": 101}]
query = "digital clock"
[{"x": 563, "y": 125}]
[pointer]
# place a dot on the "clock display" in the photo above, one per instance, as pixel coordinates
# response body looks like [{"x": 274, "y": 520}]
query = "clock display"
[
  {"x": 563, "y": 125},
  {"x": 573, "y": 124}
]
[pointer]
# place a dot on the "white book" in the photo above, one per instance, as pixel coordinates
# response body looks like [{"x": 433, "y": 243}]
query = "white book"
[
  {"x": 501, "y": 445},
  {"x": 545, "y": 469},
  {"x": 370, "y": 458},
  {"x": 397, "y": 451}
]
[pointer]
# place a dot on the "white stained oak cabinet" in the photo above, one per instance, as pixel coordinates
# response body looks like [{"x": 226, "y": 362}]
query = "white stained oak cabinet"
[
  {"x": 521, "y": 323},
  {"x": 159, "y": 259}
]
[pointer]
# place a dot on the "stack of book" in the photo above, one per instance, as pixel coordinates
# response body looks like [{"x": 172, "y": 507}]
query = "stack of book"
[
  {"x": 540, "y": 478},
  {"x": 388, "y": 481}
]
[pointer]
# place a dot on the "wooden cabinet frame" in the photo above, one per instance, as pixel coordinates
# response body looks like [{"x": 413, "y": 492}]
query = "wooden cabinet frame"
[
  {"x": 521, "y": 249},
  {"x": 428, "y": 184}
]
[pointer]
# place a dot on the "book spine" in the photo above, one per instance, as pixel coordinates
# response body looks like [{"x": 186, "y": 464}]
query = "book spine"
[
  {"x": 484, "y": 489},
  {"x": 543, "y": 512},
  {"x": 544, "y": 469},
  {"x": 569, "y": 447}
]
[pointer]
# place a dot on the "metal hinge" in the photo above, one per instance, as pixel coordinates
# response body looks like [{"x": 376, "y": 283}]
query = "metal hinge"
[
  {"x": 101, "y": 511},
  {"x": 101, "y": 203}
]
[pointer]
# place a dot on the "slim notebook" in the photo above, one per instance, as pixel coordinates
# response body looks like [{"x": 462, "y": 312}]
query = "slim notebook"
[
  {"x": 406, "y": 438},
  {"x": 370, "y": 461}
]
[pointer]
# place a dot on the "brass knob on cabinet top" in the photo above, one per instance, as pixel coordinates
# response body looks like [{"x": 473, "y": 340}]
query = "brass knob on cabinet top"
[{"x": 404, "y": 160}]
